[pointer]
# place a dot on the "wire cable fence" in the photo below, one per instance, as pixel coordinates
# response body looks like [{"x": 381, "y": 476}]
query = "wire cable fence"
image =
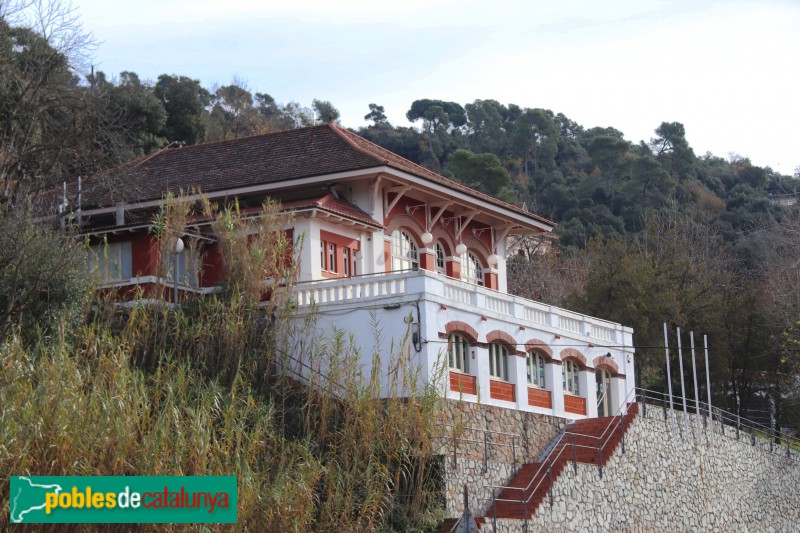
[{"x": 689, "y": 417}]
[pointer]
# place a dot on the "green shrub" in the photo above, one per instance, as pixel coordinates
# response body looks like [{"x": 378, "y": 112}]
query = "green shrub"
[{"x": 43, "y": 281}]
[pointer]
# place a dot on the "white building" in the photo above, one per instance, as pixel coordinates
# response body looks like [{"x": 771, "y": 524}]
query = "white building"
[{"x": 389, "y": 242}]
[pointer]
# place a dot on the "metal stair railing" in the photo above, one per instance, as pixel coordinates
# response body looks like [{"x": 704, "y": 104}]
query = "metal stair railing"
[
  {"x": 547, "y": 464},
  {"x": 709, "y": 418},
  {"x": 516, "y": 442}
]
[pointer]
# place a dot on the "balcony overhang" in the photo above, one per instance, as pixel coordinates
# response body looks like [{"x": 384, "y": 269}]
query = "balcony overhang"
[{"x": 434, "y": 195}]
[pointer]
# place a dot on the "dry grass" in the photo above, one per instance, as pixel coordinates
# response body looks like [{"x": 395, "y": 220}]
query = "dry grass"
[{"x": 194, "y": 390}]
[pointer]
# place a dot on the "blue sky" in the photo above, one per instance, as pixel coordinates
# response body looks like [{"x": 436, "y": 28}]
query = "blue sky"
[{"x": 729, "y": 71}]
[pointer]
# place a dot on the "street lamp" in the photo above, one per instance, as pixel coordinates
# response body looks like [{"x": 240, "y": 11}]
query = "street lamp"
[{"x": 178, "y": 249}]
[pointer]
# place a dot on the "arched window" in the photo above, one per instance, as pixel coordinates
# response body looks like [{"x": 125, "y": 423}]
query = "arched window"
[
  {"x": 603, "y": 392},
  {"x": 458, "y": 350},
  {"x": 440, "y": 258},
  {"x": 404, "y": 251},
  {"x": 535, "y": 364},
  {"x": 471, "y": 270},
  {"x": 498, "y": 360},
  {"x": 569, "y": 370}
]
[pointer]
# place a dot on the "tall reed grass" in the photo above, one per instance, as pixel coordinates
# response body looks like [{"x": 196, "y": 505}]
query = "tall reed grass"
[{"x": 203, "y": 388}]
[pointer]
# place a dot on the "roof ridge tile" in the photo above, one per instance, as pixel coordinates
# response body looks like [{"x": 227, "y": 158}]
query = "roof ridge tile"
[
  {"x": 252, "y": 161},
  {"x": 345, "y": 134},
  {"x": 426, "y": 172}
]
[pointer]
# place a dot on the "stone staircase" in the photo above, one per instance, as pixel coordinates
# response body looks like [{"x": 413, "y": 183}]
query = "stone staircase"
[
  {"x": 533, "y": 481},
  {"x": 531, "y": 485}
]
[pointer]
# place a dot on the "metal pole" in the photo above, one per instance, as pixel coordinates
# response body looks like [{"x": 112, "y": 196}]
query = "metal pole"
[
  {"x": 514, "y": 450},
  {"x": 494, "y": 511},
  {"x": 738, "y": 414},
  {"x": 771, "y": 422},
  {"x": 644, "y": 407},
  {"x": 575, "y": 453},
  {"x": 177, "y": 250},
  {"x": 485, "y": 452},
  {"x": 525, "y": 510},
  {"x": 669, "y": 378},
  {"x": 683, "y": 387},
  {"x": 696, "y": 389},
  {"x": 708, "y": 387},
  {"x": 600, "y": 460},
  {"x": 175, "y": 281},
  {"x": 466, "y": 515}
]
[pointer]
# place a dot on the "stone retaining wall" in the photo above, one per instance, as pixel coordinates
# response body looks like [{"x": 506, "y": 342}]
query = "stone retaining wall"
[
  {"x": 665, "y": 482},
  {"x": 467, "y": 441},
  {"x": 473, "y": 474}
]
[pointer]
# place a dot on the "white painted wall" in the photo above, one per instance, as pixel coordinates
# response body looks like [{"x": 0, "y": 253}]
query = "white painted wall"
[
  {"x": 361, "y": 195},
  {"x": 502, "y": 279},
  {"x": 374, "y": 310},
  {"x": 554, "y": 381},
  {"x": 309, "y": 261},
  {"x": 588, "y": 389},
  {"x": 381, "y": 303}
]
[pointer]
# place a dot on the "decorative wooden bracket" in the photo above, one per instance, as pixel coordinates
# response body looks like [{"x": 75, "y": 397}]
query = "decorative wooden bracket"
[
  {"x": 375, "y": 189},
  {"x": 464, "y": 223},
  {"x": 503, "y": 233},
  {"x": 401, "y": 190},
  {"x": 438, "y": 215}
]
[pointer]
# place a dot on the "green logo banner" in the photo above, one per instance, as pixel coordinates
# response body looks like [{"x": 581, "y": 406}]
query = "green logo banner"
[{"x": 122, "y": 499}]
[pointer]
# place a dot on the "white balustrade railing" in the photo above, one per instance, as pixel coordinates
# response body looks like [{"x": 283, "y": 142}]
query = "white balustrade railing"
[
  {"x": 456, "y": 292},
  {"x": 604, "y": 334},
  {"x": 570, "y": 324},
  {"x": 537, "y": 316},
  {"x": 325, "y": 292},
  {"x": 498, "y": 305}
]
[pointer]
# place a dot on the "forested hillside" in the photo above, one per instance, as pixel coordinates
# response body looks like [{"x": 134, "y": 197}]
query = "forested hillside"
[
  {"x": 591, "y": 180},
  {"x": 649, "y": 231},
  {"x": 58, "y": 124}
]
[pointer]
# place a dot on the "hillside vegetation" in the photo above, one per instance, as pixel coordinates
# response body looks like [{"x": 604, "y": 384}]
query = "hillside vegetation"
[
  {"x": 194, "y": 390},
  {"x": 648, "y": 232}
]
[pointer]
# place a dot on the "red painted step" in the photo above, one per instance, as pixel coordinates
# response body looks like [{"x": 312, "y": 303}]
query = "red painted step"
[{"x": 534, "y": 481}]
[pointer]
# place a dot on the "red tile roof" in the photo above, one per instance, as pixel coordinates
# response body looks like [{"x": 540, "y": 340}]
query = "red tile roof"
[
  {"x": 395, "y": 161},
  {"x": 261, "y": 159}
]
